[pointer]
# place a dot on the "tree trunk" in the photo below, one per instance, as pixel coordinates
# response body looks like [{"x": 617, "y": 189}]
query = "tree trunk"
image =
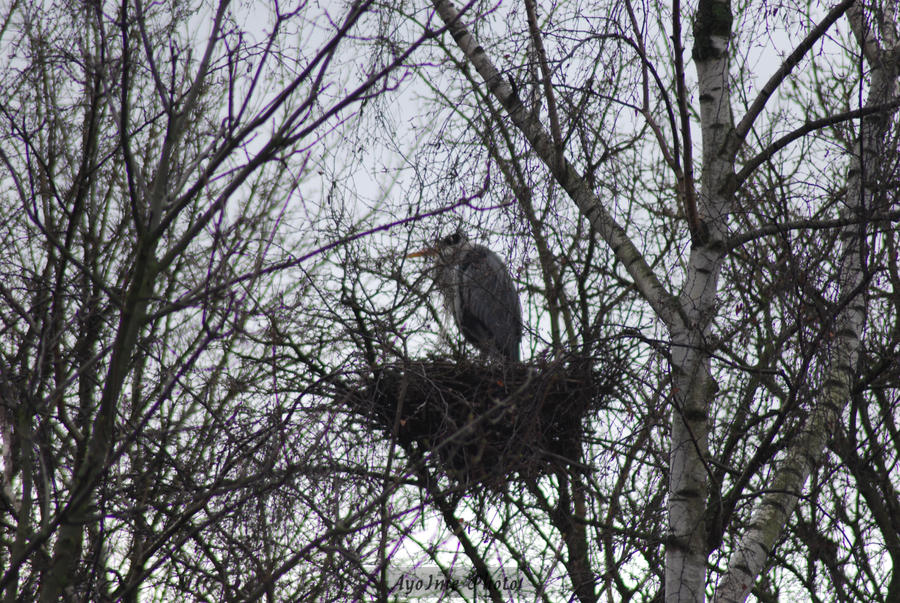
[{"x": 773, "y": 509}]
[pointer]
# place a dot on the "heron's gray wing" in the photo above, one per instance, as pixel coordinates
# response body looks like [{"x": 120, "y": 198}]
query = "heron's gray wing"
[{"x": 489, "y": 303}]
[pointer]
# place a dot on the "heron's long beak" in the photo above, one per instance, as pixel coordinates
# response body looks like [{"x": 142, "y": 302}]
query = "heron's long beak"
[{"x": 428, "y": 251}]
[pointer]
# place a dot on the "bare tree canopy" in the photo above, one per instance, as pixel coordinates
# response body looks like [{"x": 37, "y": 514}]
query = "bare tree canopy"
[{"x": 222, "y": 379}]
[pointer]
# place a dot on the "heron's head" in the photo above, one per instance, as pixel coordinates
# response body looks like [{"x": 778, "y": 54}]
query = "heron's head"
[{"x": 444, "y": 246}]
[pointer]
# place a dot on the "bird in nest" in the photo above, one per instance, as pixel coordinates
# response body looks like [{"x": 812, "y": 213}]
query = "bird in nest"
[{"x": 478, "y": 293}]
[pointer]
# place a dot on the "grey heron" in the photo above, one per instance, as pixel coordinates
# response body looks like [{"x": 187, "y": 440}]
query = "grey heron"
[{"x": 479, "y": 293}]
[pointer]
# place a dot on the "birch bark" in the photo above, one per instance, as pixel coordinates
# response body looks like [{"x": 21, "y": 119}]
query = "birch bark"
[
  {"x": 774, "y": 508},
  {"x": 694, "y": 387},
  {"x": 689, "y": 316}
]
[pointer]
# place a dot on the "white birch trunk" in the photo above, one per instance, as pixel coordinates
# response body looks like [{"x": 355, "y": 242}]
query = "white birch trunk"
[
  {"x": 774, "y": 509},
  {"x": 686, "y": 546},
  {"x": 688, "y": 317}
]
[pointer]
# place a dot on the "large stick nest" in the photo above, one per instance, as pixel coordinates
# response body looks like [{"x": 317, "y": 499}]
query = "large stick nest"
[{"x": 485, "y": 423}]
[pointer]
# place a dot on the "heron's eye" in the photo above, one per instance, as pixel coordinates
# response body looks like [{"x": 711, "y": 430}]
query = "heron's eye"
[{"x": 453, "y": 239}]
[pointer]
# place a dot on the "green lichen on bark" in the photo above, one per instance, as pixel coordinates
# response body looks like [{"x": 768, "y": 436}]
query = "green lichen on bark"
[{"x": 713, "y": 20}]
